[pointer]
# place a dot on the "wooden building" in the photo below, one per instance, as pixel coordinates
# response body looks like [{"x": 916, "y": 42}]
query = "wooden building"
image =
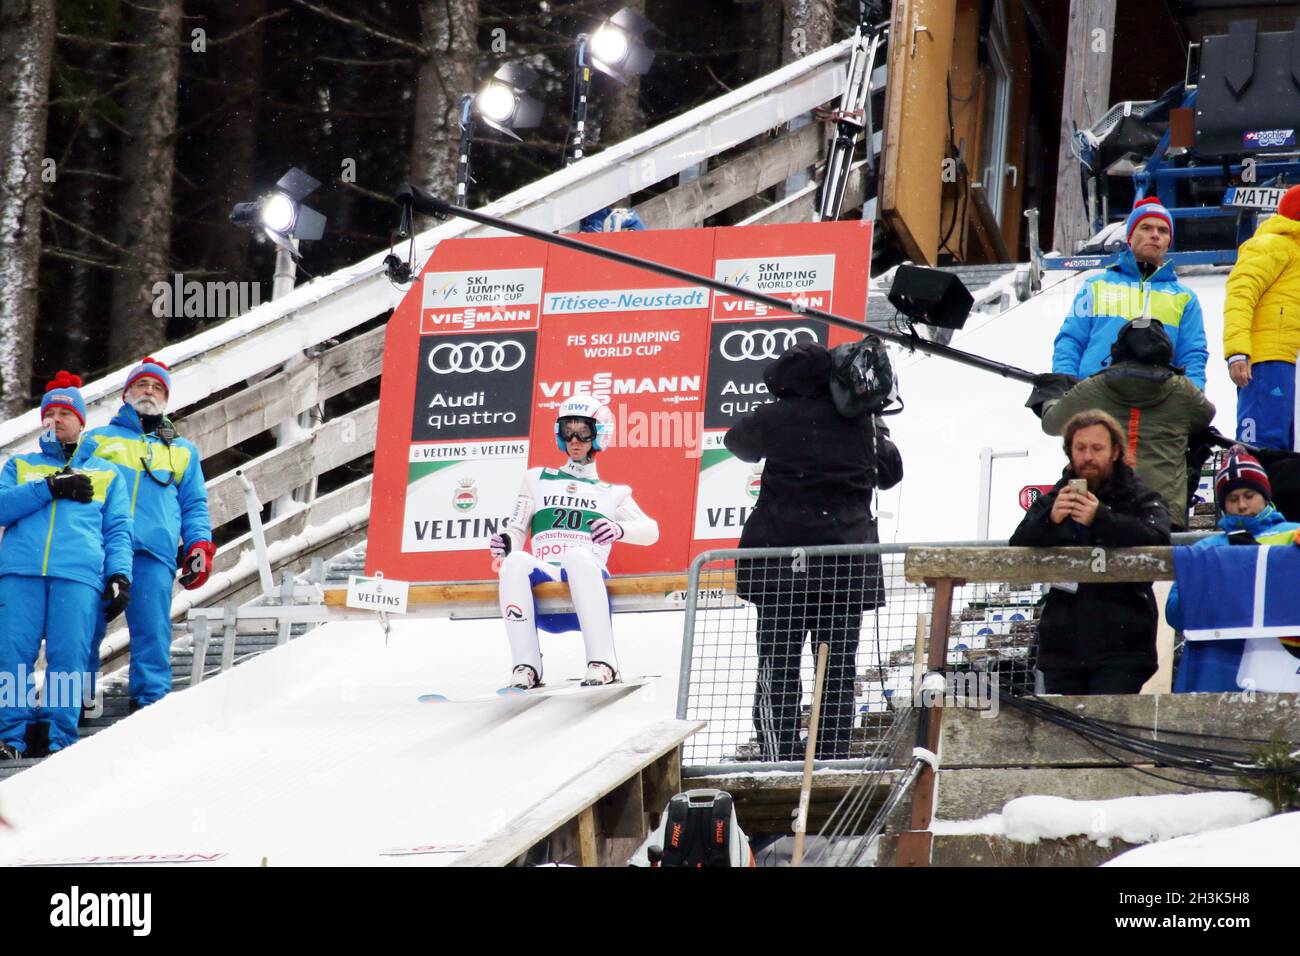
[{"x": 982, "y": 97}]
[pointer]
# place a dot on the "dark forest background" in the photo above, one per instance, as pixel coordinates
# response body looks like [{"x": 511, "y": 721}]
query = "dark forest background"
[{"x": 159, "y": 115}]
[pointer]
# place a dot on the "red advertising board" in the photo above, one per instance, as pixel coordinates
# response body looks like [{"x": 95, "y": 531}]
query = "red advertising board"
[
  {"x": 1031, "y": 493},
  {"x": 498, "y": 332}
]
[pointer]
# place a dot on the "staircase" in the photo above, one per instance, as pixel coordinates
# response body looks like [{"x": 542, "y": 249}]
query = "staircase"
[{"x": 248, "y": 644}]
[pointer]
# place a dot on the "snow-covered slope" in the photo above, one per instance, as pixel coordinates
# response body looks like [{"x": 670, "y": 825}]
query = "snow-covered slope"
[
  {"x": 318, "y": 752},
  {"x": 952, "y": 411},
  {"x": 1274, "y": 841}
]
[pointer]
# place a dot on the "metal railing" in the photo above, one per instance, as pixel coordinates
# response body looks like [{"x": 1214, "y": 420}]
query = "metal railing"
[{"x": 747, "y": 661}]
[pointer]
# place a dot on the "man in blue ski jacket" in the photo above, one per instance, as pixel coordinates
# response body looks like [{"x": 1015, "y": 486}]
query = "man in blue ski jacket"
[
  {"x": 169, "y": 505},
  {"x": 66, "y": 549},
  {"x": 1139, "y": 283}
]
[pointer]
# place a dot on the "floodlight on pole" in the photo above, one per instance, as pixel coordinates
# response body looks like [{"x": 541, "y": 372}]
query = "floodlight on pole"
[
  {"x": 279, "y": 214},
  {"x": 618, "y": 48},
  {"x": 502, "y": 105},
  {"x": 615, "y": 48}
]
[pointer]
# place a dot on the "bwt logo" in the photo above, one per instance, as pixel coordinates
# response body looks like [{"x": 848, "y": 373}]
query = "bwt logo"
[
  {"x": 475, "y": 357},
  {"x": 741, "y": 345},
  {"x": 76, "y": 909}
]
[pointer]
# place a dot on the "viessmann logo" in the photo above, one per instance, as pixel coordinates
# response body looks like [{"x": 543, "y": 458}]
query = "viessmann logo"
[
  {"x": 503, "y": 356},
  {"x": 759, "y": 344}
]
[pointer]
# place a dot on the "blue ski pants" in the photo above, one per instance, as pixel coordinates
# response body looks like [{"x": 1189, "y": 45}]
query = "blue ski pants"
[
  {"x": 149, "y": 619},
  {"x": 64, "y": 613}
]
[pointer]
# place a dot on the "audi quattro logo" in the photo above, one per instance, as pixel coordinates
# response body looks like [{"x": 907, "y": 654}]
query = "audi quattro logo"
[
  {"x": 753, "y": 345},
  {"x": 476, "y": 357}
]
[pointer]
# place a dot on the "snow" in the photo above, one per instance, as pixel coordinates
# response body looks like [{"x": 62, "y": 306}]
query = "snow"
[
  {"x": 318, "y": 753},
  {"x": 1271, "y": 842},
  {"x": 1147, "y": 819},
  {"x": 952, "y": 411}
]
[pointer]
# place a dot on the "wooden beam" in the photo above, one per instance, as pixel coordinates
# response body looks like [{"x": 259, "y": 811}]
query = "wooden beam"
[
  {"x": 485, "y": 592},
  {"x": 587, "y": 849},
  {"x": 278, "y": 472},
  {"x": 252, "y": 411},
  {"x": 690, "y": 204},
  {"x": 578, "y": 795},
  {"x": 351, "y": 363},
  {"x": 1090, "y": 40},
  {"x": 916, "y": 124},
  {"x": 1040, "y": 565},
  {"x": 800, "y": 206},
  {"x": 286, "y": 394}
]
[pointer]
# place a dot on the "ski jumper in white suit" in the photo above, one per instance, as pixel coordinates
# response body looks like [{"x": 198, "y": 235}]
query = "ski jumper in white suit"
[{"x": 557, "y": 506}]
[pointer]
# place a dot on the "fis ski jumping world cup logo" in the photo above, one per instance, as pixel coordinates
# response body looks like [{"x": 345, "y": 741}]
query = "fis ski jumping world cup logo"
[{"x": 465, "y": 495}]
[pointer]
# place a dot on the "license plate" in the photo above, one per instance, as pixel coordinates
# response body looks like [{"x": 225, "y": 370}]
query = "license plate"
[{"x": 1252, "y": 197}]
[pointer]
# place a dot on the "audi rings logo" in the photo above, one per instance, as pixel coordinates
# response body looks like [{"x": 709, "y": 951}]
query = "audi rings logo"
[
  {"x": 476, "y": 357},
  {"x": 757, "y": 344}
]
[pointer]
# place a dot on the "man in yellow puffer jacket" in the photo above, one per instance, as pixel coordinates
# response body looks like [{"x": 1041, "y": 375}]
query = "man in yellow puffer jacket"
[{"x": 1261, "y": 327}]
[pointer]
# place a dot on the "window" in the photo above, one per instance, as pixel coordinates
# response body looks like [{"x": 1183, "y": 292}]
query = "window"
[{"x": 997, "y": 108}]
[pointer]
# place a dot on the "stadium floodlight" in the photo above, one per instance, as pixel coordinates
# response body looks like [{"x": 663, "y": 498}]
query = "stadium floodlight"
[
  {"x": 503, "y": 105},
  {"x": 503, "y": 102},
  {"x": 616, "y": 48},
  {"x": 280, "y": 215}
]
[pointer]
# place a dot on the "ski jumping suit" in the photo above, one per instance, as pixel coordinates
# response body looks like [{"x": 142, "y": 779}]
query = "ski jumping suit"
[
  {"x": 55, "y": 559},
  {"x": 169, "y": 503},
  {"x": 557, "y": 506}
]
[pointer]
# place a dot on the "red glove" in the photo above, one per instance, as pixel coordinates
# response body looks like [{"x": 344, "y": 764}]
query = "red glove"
[{"x": 197, "y": 565}]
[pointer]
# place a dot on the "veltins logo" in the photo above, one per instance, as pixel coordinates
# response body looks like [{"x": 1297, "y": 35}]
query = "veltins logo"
[{"x": 754, "y": 483}]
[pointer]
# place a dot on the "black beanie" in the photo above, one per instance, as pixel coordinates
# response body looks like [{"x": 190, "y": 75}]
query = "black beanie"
[{"x": 1143, "y": 341}]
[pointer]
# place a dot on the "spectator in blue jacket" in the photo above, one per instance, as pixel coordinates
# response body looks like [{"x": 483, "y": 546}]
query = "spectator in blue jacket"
[
  {"x": 66, "y": 548},
  {"x": 169, "y": 505},
  {"x": 1244, "y": 495},
  {"x": 1139, "y": 283}
]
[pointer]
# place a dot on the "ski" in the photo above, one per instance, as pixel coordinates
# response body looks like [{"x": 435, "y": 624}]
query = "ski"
[{"x": 568, "y": 687}]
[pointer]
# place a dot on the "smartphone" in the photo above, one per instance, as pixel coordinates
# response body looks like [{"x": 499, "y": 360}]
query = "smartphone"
[{"x": 1079, "y": 486}]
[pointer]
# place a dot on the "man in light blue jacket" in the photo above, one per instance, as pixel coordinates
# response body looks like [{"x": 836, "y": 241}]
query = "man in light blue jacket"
[
  {"x": 1139, "y": 283},
  {"x": 66, "y": 551}
]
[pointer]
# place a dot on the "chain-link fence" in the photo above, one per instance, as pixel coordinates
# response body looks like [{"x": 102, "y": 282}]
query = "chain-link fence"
[{"x": 753, "y": 622}]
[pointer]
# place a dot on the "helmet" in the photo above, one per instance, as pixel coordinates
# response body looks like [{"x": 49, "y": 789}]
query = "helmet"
[{"x": 590, "y": 410}]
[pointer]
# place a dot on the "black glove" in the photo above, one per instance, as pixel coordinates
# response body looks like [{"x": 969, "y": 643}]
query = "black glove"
[
  {"x": 1048, "y": 387},
  {"x": 118, "y": 595},
  {"x": 72, "y": 486}
]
